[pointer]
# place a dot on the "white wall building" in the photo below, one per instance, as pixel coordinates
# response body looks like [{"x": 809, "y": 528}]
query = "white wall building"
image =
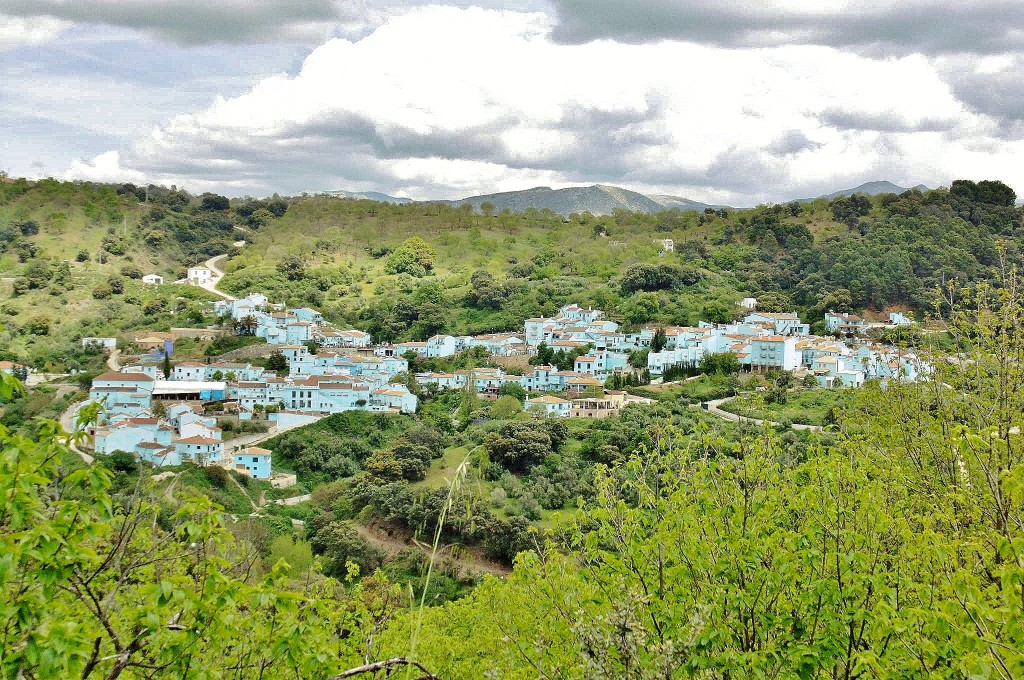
[{"x": 199, "y": 276}]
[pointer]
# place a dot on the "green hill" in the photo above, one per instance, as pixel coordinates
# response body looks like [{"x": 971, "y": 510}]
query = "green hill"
[{"x": 409, "y": 271}]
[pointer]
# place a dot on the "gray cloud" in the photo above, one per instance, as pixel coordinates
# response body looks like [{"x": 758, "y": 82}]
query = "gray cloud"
[
  {"x": 208, "y": 22},
  {"x": 925, "y": 26},
  {"x": 354, "y": 149},
  {"x": 999, "y": 94},
  {"x": 886, "y": 121},
  {"x": 195, "y": 22},
  {"x": 791, "y": 143},
  {"x": 746, "y": 171}
]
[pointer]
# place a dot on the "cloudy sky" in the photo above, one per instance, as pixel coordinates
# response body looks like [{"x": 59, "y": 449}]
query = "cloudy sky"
[{"x": 718, "y": 100}]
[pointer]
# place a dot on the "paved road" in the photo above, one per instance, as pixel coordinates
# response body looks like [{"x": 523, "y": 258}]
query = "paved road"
[
  {"x": 112, "y": 360},
  {"x": 294, "y": 500},
  {"x": 712, "y": 407},
  {"x": 218, "y": 274},
  {"x": 67, "y": 421}
]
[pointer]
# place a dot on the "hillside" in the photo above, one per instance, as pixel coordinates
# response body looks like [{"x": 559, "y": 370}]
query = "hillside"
[
  {"x": 677, "y": 203},
  {"x": 625, "y": 534},
  {"x": 597, "y": 199},
  {"x": 405, "y": 272}
]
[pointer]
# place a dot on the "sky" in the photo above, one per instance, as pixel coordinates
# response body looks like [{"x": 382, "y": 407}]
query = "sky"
[{"x": 728, "y": 101}]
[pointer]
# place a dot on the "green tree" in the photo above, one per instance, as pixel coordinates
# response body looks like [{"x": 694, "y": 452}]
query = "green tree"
[
  {"x": 292, "y": 267},
  {"x": 94, "y": 585},
  {"x": 659, "y": 340},
  {"x": 505, "y": 408},
  {"x": 277, "y": 362}
]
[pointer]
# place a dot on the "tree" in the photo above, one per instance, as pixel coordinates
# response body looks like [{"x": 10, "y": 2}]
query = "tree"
[
  {"x": 659, "y": 340},
  {"x": 513, "y": 389},
  {"x": 134, "y": 591},
  {"x": 247, "y": 325},
  {"x": 260, "y": 218},
  {"x": 487, "y": 208},
  {"x": 214, "y": 202},
  {"x": 414, "y": 257},
  {"x": 131, "y": 271},
  {"x": 518, "y": 446},
  {"x": 774, "y": 303},
  {"x": 505, "y": 408},
  {"x": 38, "y": 325},
  {"x": 716, "y": 311},
  {"x": 292, "y": 267},
  {"x": 277, "y": 362},
  {"x": 167, "y": 367},
  {"x": 723, "y": 363}
]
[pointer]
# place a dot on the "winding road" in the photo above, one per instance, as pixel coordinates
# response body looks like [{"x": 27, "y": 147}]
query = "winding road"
[
  {"x": 218, "y": 274},
  {"x": 712, "y": 407}
]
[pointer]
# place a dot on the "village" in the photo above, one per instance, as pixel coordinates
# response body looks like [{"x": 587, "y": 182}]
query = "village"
[{"x": 159, "y": 411}]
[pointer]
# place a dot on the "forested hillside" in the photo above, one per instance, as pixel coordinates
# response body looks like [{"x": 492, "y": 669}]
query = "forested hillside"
[
  {"x": 890, "y": 546},
  {"x": 481, "y": 273},
  {"x": 72, "y": 255}
]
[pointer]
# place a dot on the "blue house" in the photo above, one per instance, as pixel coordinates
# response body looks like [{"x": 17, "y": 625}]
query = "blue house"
[{"x": 253, "y": 461}]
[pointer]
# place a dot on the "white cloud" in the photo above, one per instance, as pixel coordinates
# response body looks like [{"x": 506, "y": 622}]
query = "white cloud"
[
  {"x": 106, "y": 167},
  {"x": 22, "y": 31},
  {"x": 446, "y": 102}
]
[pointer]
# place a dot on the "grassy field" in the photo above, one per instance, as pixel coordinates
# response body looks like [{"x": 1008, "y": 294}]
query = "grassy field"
[{"x": 805, "y": 406}]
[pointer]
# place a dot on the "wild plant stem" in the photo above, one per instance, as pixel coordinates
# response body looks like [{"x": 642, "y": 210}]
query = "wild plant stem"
[{"x": 453, "y": 487}]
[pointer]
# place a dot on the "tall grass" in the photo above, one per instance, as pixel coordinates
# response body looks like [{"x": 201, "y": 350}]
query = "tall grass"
[{"x": 454, "y": 486}]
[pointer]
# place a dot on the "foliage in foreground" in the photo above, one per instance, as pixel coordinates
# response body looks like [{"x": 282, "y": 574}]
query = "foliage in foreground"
[
  {"x": 894, "y": 549},
  {"x": 896, "y": 552},
  {"x": 98, "y": 586}
]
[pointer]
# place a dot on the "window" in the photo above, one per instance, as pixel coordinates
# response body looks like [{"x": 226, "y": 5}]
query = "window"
[{"x": 255, "y": 459}]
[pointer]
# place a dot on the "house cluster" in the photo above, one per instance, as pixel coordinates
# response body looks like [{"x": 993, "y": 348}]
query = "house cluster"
[
  {"x": 440, "y": 346},
  {"x": 488, "y": 382},
  {"x": 182, "y": 436},
  {"x": 765, "y": 342},
  {"x": 607, "y": 405}
]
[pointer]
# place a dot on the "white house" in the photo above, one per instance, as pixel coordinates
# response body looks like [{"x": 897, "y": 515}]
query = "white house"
[
  {"x": 199, "y": 450},
  {"x": 549, "y": 406},
  {"x": 153, "y": 279},
  {"x": 255, "y": 462},
  {"x": 782, "y": 323},
  {"x": 199, "y": 276},
  {"x": 900, "y": 319},
  {"x": 748, "y": 303},
  {"x": 104, "y": 344},
  {"x": 849, "y": 324},
  {"x": 667, "y": 245},
  {"x": 774, "y": 352},
  {"x": 441, "y": 346}
]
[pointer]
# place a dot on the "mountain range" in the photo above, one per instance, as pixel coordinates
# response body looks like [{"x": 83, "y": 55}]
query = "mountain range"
[
  {"x": 367, "y": 195},
  {"x": 600, "y": 199},
  {"x": 868, "y": 189}
]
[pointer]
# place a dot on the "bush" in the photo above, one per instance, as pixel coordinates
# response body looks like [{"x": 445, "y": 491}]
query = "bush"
[{"x": 217, "y": 476}]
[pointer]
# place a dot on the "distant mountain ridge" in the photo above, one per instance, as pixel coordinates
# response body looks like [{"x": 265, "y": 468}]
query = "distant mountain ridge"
[
  {"x": 601, "y": 199},
  {"x": 598, "y": 199},
  {"x": 368, "y": 195},
  {"x": 868, "y": 189}
]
